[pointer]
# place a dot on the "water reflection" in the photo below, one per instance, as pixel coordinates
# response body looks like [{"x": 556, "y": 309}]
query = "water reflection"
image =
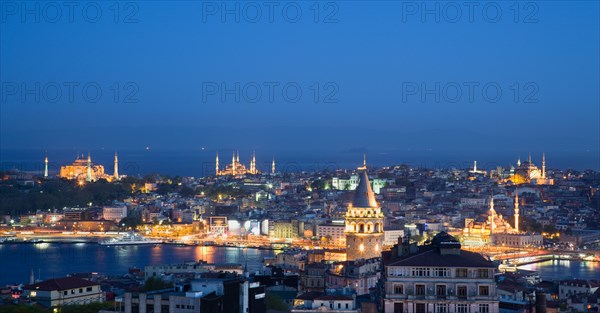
[
  {"x": 55, "y": 259},
  {"x": 565, "y": 269}
]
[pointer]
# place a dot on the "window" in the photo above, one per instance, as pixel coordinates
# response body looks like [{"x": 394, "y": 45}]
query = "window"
[
  {"x": 72, "y": 291},
  {"x": 420, "y": 308},
  {"x": 339, "y": 305},
  {"x": 346, "y": 305},
  {"x": 442, "y": 272},
  {"x": 80, "y": 290},
  {"x": 88, "y": 289},
  {"x": 65, "y": 293},
  {"x": 398, "y": 289},
  {"x": 440, "y": 290},
  {"x": 420, "y": 290},
  {"x": 483, "y": 273},
  {"x": 398, "y": 307},
  {"x": 462, "y": 308},
  {"x": 484, "y": 308},
  {"x": 461, "y": 291},
  {"x": 421, "y": 272},
  {"x": 441, "y": 308},
  {"x": 461, "y": 272},
  {"x": 484, "y": 290}
]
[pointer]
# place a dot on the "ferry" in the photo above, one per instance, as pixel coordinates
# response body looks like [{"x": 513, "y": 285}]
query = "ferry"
[{"x": 130, "y": 239}]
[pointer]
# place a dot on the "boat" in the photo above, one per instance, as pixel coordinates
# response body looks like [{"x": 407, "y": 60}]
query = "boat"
[{"x": 130, "y": 239}]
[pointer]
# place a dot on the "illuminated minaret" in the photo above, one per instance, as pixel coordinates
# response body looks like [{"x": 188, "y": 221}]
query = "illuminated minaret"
[
  {"x": 273, "y": 166},
  {"x": 116, "y": 172},
  {"x": 517, "y": 210},
  {"x": 46, "y": 167},
  {"x": 544, "y": 165},
  {"x": 238, "y": 156},
  {"x": 529, "y": 158},
  {"x": 492, "y": 216},
  {"x": 89, "y": 167},
  {"x": 364, "y": 166},
  {"x": 519, "y": 162},
  {"x": 233, "y": 164},
  {"x": 253, "y": 163},
  {"x": 217, "y": 164}
]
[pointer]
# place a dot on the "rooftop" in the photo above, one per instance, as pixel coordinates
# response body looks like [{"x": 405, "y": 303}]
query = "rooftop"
[
  {"x": 64, "y": 283},
  {"x": 364, "y": 196}
]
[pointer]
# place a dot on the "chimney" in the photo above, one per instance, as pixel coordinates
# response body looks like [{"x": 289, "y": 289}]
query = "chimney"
[{"x": 540, "y": 301}]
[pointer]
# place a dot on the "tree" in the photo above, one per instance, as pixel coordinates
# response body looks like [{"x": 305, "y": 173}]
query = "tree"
[
  {"x": 156, "y": 283},
  {"x": 275, "y": 302}
]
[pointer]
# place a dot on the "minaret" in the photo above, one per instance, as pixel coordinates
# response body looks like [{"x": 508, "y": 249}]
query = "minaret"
[
  {"x": 238, "y": 156},
  {"x": 544, "y": 165},
  {"x": 529, "y": 158},
  {"x": 517, "y": 210},
  {"x": 31, "y": 278},
  {"x": 492, "y": 216},
  {"x": 253, "y": 163},
  {"x": 116, "y": 173},
  {"x": 233, "y": 164},
  {"x": 46, "y": 167},
  {"x": 364, "y": 165},
  {"x": 217, "y": 164},
  {"x": 519, "y": 162},
  {"x": 474, "y": 166},
  {"x": 89, "y": 167},
  {"x": 273, "y": 166}
]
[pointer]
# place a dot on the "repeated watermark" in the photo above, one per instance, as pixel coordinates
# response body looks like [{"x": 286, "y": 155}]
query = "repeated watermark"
[
  {"x": 469, "y": 92},
  {"x": 126, "y": 12},
  {"x": 269, "y": 91},
  {"x": 68, "y": 92},
  {"x": 270, "y": 11},
  {"x": 525, "y": 12}
]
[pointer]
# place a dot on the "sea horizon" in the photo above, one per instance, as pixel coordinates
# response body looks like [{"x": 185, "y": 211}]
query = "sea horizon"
[{"x": 201, "y": 162}]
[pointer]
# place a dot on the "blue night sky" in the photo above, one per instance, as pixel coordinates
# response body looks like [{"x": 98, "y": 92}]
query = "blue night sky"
[{"x": 370, "y": 62}]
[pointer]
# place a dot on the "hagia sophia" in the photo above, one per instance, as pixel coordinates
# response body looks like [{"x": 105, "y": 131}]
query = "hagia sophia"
[{"x": 82, "y": 169}]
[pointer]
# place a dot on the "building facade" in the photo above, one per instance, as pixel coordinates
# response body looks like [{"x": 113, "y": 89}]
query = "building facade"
[
  {"x": 64, "y": 291},
  {"x": 437, "y": 278},
  {"x": 335, "y": 233},
  {"x": 114, "y": 213}
]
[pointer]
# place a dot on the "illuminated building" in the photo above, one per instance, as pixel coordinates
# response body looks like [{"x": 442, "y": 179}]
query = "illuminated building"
[
  {"x": 115, "y": 213},
  {"x": 82, "y": 169},
  {"x": 494, "y": 229},
  {"x": 350, "y": 183},
  {"x": 334, "y": 232},
  {"x": 364, "y": 223},
  {"x": 235, "y": 168},
  {"x": 360, "y": 275},
  {"x": 479, "y": 231},
  {"x": 529, "y": 173}
]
